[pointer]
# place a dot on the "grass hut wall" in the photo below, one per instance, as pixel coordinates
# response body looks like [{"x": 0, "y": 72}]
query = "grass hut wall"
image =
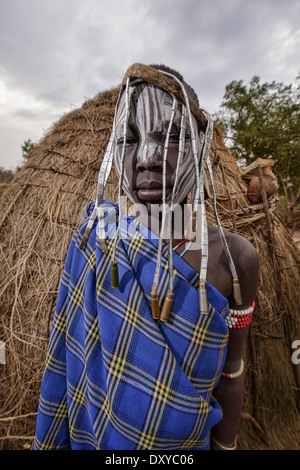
[{"x": 41, "y": 209}]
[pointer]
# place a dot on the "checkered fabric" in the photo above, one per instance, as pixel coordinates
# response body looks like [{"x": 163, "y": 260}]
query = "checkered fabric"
[{"x": 114, "y": 379}]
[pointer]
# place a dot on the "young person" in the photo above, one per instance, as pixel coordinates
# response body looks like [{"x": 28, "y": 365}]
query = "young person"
[{"x": 153, "y": 309}]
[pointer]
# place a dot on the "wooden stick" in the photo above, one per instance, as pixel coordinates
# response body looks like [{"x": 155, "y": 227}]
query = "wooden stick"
[
  {"x": 12, "y": 418},
  {"x": 229, "y": 195},
  {"x": 265, "y": 203},
  {"x": 55, "y": 170},
  {"x": 17, "y": 438}
]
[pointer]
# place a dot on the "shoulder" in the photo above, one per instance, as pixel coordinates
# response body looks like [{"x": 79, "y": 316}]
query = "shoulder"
[
  {"x": 242, "y": 250},
  {"x": 246, "y": 261}
]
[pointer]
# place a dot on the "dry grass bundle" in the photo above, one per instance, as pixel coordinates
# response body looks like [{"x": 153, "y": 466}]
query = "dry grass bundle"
[
  {"x": 41, "y": 210},
  {"x": 270, "y": 419}
]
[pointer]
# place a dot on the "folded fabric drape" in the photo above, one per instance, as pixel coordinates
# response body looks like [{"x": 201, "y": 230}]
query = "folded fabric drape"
[{"x": 115, "y": 378}]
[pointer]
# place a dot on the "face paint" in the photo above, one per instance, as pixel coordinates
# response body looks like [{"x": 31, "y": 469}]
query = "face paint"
[
  {"x": 150, "y": 111},
  {"x": 160, "y": 162}
]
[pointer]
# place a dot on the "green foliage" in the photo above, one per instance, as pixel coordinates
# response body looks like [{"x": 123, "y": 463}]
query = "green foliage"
[
  {"x": 27, "y": 146},
  {"x": 263, "y": 120},
  {"x": 6, "y": 175}
]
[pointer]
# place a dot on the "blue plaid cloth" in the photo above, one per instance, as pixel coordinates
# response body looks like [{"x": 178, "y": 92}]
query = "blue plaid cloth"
[{"x": 114, "y": 379}]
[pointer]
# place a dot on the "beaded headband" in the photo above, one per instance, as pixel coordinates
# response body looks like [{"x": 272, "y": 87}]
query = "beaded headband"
[{"x": 176, "y": 89}]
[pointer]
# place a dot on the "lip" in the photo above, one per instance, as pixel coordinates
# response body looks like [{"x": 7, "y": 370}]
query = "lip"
[
  {"x": 151, "y": 194},
  {"x": 152, "y": 184},
  {"x": 150, "y": 191}
]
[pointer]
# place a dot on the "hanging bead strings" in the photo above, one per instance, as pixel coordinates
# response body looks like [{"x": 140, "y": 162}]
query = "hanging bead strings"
[
  {"x": 236, "y": 285},
  {"x": 203, "y": 230},
  {"x": 102, "y": 180},
  {"x": 169, "y": 297},
  {"x": 198, "y": 204},
  {"x": 114, "y": 272},
  {"x": 154, "y": 298},
  {"x": 104, "y": 172},
  {"x": 179, "y": 163},
  {"x": 198, "y": 198}
]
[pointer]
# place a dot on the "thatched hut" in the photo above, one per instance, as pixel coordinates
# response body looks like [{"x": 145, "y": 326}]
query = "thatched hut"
[{"x": 42, "y": 208}]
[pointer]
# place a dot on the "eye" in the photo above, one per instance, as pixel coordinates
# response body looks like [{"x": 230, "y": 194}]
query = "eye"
[
  {"x": 174, "y": 137},
  {"x": 129, "y": 140}
]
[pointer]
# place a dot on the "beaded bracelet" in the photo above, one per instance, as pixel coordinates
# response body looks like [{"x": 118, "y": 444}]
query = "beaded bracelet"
[
  {"x": 238, "y": 319},
  {"x": 218, "y": 446},
  {"x": 234, "y": 375}
]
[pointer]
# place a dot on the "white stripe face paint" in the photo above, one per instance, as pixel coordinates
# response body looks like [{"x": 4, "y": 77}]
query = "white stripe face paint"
[{"x": 150, "y": 111}]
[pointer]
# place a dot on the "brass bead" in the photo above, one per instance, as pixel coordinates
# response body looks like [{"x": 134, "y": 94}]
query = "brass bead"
[
  {"x": 114, "y": 275},
  {"x": 237, "y": 291},
  {"x": 165, "y": 312},
  {"x": 203, "y": 297},
  {"x": 154, "y": 303},
  {"x": 84, "y": 238},
  {"x": 103, "y": 245},
  {"x": 191, "y": 229}
]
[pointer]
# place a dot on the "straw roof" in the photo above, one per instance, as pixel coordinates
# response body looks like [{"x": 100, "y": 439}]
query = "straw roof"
[{"x": 41, "y": 209}]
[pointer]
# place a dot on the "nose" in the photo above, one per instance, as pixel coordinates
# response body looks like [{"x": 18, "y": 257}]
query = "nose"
[{"x": 150, "y": 157}]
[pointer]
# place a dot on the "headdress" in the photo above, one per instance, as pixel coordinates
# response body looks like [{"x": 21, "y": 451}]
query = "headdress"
[{"x": 177, "y": 89}]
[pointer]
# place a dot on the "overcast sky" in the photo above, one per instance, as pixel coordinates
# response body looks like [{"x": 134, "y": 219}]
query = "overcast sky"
[{"x": 56, "y": 54}]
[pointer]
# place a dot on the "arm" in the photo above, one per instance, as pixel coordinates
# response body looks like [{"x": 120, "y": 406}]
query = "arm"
[{"x": 229, "y": 391}]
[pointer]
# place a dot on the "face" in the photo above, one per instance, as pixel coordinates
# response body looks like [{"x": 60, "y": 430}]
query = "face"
[{"x": 150, "y": 111}]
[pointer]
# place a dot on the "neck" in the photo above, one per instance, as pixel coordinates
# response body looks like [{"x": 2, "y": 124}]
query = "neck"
[{"x": 152, "y": 216}]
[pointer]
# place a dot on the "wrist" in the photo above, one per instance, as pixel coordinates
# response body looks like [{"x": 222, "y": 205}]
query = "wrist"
[{"x": 217, "y": 445}]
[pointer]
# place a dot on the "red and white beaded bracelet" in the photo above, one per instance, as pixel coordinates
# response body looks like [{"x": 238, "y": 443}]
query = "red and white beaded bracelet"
[
  {"x": 238, "y": 319},
  {"x": 234, "y": 375}
]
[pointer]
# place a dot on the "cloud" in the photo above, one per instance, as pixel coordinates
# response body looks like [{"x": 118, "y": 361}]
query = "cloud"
[{"x": 56, "y": 54}]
